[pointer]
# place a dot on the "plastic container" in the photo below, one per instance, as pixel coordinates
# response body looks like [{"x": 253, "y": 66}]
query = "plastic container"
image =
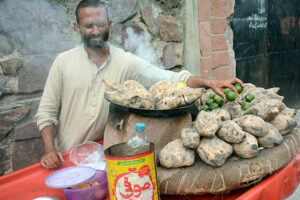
[
  {"x": 131, "y": 176},
  {"x": 138, "y": 141},
  {"x": 97, "y": 192}
]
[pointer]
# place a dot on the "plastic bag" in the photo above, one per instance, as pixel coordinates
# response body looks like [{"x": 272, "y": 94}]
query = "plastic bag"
[{"x": 88, "y": 154}]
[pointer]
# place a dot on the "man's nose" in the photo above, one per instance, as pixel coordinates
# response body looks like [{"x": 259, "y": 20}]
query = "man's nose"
[{"x": 95, "y": 30}]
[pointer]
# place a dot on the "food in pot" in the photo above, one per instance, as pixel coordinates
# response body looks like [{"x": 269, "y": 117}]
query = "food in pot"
[{"x": 162, "y": 95}]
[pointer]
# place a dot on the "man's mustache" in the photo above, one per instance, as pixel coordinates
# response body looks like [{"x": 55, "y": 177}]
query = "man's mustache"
[{"x": 96, "y": 36}]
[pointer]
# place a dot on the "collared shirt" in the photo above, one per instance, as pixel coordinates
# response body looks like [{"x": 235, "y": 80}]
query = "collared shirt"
[{"x": 73, "y": 97}]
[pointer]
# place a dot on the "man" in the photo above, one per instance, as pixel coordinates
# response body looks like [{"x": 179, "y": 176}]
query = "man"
[{"x": 73, "y": 99}]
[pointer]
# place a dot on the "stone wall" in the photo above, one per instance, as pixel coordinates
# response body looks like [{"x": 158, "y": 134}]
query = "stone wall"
[
  {"x": 33, "y": 33},
  {"x": 216, "y": 39}
]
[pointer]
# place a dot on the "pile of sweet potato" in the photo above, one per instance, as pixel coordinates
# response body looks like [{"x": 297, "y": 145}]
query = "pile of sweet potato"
[{"x": 232, "y": 131}]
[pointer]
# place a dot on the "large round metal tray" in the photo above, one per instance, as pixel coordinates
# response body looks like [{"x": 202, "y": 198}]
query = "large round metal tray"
[{"x": 155, "y": 112}]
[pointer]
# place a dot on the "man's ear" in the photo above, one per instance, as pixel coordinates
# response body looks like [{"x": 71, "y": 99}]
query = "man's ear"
[{"x": 76, "y": 27}]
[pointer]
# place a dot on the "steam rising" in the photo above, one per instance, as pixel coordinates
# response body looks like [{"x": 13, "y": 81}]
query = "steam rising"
[{"x": 142, "y": 47}]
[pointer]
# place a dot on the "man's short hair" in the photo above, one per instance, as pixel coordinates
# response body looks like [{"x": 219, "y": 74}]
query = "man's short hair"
[{"x": 90, "y": 3}]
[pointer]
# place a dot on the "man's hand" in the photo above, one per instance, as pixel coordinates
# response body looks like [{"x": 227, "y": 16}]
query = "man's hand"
[
  {"x": 219, "y": 86},
  {"x": 216, "y": 86},
  {"x": 52, "y": 160}
]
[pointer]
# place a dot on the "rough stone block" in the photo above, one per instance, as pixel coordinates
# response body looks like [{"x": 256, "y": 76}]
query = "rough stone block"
[
  {"x": 219, "y": 59},
  {"x": 2, "y": 83},
  {"x": 173, "y": 55},
  {"x": 26, "y": 153},
  {"x": 203, "y": 10},
  {"x": 36, "y": 26},
  {"x": 33, "y": 74},
  {"x": 9, "y": 119},
  {"x": 114, "y": 33},
  {"x": 6, "y": 46},
  {"x": 170, "y": 29},
  {"x": 122, "y": 10},
  {"x": 10, "y": 84},
  {"x": 172, "y": 3},
  {"x": 26, "y": 131},
  {"x": 11, "y": 66},
  {"x": 204, "y": 38},
  {"x": 218, "y": 8},
  {"x": 218, "y": 25},
  {"x": 218, "y": 42},
  {"x": 147, "y": 15}
]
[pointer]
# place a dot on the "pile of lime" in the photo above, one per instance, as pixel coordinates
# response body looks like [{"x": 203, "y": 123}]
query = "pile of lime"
[
  {"x": 248, "y": 97},
  {"x": 215, "y": 101}
]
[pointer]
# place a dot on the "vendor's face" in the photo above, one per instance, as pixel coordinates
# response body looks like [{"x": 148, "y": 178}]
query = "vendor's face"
[{"x": 93, "y": 26}]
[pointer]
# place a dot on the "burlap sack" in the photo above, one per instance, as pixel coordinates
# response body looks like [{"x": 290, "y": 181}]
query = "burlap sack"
[{"x": 159, "y": 131}]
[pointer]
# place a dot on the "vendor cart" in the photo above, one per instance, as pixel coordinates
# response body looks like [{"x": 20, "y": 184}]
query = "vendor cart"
[{"x": 28, "y": 183}]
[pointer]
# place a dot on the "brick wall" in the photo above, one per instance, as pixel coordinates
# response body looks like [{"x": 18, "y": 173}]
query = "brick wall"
[{"x": 215, "y": 35}]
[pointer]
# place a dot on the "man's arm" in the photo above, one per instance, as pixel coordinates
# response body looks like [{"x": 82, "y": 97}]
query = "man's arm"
[
  {"x": 148, "y": 74},
  {"x": 217, "y": 86},
  {"x": 46, "y": 117},
  {"x": 52, "y": 158}
]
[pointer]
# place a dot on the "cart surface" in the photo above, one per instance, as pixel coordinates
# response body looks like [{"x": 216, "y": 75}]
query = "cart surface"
[{"x": 28, "y": 183}]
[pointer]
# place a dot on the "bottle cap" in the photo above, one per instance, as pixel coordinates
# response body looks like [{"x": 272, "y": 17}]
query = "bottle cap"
[{"x": 140, "y": 126}]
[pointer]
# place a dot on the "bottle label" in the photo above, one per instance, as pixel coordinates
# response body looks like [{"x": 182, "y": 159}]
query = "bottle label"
[{"x": 132, "y": 177}]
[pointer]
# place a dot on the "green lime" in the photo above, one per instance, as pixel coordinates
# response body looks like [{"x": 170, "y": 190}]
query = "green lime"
[
  {"x": 204, "y": 107},
  {"x": 230, "y": 95},
  {"x": 212, "y": 95},
  {"x": 246, "y": 105},
  {"x": 249, "y": 97},
  {"x": 209, "y": 101},
  {"x": 239, "y": 88},
  {"x": 219, "y": 100},
  {"x": 226, "y": 90},
  {"x": 214, "y": 106}
]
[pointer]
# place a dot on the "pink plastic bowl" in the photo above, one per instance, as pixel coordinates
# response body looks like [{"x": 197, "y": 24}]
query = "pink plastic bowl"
[{"x": 97, "y": 192}]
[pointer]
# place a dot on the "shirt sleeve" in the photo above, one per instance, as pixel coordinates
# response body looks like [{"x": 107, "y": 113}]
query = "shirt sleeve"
[
  {"x": 147, "y": 74},
  {"x": 50, "y": 102}
]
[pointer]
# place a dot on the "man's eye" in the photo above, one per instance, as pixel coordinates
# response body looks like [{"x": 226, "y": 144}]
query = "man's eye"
[
  {"x": 88, "y": 26},
  {"x": 102, "y": 25}
]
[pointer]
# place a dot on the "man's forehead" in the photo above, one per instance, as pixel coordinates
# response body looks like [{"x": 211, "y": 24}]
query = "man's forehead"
[{"x": 87, "y": 13}]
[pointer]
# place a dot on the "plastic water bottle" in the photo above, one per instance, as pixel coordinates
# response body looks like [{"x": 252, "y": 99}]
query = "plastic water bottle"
[{"x": 138, "y": 141}]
